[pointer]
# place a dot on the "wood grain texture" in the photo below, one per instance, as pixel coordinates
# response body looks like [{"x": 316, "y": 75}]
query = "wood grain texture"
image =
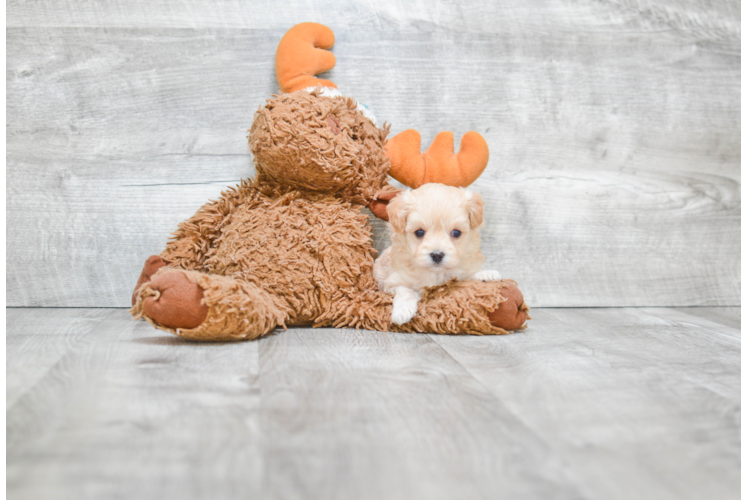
[
  {"x": 352, "y": 414},
  {"x": 744, "y": 407},
  {"x": 126, "y": 404},
  {"x": 640, "y": 406},
  {"x": 614, "y": 176},
  {"x": 36, "y": 341},
  {"x": 587, "y": 403},
  {"x": 727, "y": 316}
]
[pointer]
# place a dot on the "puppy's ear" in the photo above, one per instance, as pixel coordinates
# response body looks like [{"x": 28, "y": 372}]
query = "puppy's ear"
[
  {"x": 397, "y": 210},
  {"x": 475, "y": 209}
]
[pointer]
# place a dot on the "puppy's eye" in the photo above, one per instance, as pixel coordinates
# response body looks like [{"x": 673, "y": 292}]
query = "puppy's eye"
[
  {"x": 456, "y": 233},
  {"x": 419, "y": 233}
]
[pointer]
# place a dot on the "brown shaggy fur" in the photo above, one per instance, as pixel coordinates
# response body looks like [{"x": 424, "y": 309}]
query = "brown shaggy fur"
[
  {"x": 292, "y": 246},
  {"x": 295, "y": 146}
]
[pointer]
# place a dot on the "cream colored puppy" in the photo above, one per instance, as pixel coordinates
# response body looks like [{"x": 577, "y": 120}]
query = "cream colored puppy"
[{"x": 435, "y": 238}]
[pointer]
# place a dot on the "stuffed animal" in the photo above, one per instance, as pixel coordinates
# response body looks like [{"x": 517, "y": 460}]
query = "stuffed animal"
[{"x": 292, "y": 246}]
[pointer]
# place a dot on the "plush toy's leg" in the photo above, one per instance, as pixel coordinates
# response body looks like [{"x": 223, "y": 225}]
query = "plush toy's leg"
[
  {"x": 152, "y": 265},
  {"x": 174, "y": 301},
  {"x": 512, "y": 313},
  {"x": 472, "y": 307},
  {"x": 200, "y": 306},
  {"x": 475, "y": 307}
]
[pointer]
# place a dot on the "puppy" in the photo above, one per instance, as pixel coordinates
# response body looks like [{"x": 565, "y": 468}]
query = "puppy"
[{"x": 435, "y": 238}]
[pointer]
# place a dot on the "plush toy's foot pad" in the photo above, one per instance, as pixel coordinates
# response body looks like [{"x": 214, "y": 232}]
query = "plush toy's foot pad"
[
  {"x": 513, "y": 312},
  {"x": 176, "y": 302},
  {"x": 152, "y": 265}
]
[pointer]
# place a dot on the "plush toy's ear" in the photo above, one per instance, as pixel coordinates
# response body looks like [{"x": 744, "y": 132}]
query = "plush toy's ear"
[
  {"x": 397, "y": 210},
  {"x": 439, "y": 163},
  {"x": 301, "y": 54},
  {"x": 475, "y": 210}
]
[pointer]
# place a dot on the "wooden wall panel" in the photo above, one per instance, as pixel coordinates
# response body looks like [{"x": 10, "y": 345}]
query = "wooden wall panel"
[{"x": 614, "y": 131}]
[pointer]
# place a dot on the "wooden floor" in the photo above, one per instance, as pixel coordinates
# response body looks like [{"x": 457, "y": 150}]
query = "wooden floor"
[{"x": 615, "y": 403}]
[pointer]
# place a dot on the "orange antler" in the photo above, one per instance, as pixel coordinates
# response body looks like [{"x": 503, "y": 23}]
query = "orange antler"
[
  {"x": 301, "y": 55},
  {"x": 439, "y": 163}
]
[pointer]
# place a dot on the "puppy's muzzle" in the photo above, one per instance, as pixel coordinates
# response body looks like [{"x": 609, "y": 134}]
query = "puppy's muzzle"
[{"x": 437, "y": 257}]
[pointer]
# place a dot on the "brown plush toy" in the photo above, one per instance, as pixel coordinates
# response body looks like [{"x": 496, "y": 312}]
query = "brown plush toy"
[{"x": 292, "y": 246}]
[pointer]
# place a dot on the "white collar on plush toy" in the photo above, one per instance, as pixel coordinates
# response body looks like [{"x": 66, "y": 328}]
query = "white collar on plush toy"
[{"x": 333, "y": 92}]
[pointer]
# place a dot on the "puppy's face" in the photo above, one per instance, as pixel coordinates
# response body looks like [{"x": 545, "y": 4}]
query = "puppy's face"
[{"x": 437, "y": 224}]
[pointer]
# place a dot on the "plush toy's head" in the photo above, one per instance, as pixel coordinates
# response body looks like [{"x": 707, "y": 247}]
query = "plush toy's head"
[
  {"x": 313, "y": 142},
  {"x": 310, "y": 137}
]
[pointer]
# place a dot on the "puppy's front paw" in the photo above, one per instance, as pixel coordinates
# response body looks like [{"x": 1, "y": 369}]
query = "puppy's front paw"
[
  {"x": 487, "y": 276},
  {"x": 403, "y": 311}
]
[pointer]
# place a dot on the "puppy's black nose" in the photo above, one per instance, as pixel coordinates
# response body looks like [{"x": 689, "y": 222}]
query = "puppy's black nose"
[{"x": 437, "y": 256}]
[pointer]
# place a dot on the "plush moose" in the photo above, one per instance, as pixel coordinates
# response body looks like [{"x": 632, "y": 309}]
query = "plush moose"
[{"x": 292, "y": 246}]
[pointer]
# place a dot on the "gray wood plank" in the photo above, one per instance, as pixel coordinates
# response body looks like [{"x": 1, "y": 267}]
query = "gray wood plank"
[
  {"x": 614, "y": 176},
  {"x": 696, "y": 322},
  {"x": 354, "y": 414},
  {"x": 586, "y": 403},
  {"x": 639, "y": 406},
  {"x": 744, "y": 409},
  {"x": 728, "y": 316},
  {"x": 36, "y": 340},
  {"x": 716, "y": 18},
  {"x": 132, "y": 413}
]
